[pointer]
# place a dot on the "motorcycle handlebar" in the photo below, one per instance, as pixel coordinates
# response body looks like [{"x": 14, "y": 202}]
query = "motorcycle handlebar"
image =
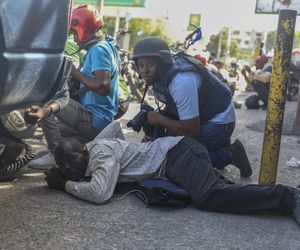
[{"x": 189, "y": 40}]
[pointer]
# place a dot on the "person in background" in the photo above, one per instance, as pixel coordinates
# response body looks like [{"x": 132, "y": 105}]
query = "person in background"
[
  {"x": 98, "y": 97},
  {"x": 259, "y": 78}
]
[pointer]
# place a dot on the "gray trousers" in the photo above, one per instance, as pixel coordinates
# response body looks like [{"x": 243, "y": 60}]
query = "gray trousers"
[{"x": 72, "y": 121}]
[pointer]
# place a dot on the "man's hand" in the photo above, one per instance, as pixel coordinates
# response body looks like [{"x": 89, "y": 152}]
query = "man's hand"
[
  {"x": 243, "y": 71},
  {"x": 37, "y": 113},
  {"x": 247, "y": 68},
  {"x": 55, "y": 179}
]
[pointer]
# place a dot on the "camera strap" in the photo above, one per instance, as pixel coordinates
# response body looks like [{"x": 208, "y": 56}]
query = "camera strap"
[{"x": 144, "y": 95}]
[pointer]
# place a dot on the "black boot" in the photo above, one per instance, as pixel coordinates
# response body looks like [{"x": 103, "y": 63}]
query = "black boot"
[{"x": 240, "y": 159}]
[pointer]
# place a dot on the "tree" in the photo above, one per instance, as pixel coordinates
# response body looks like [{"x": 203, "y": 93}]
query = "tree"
[
  {"x": 296, "y": 40},
  {"x": 109, "y": 25},
  {"x": 271, "y": 39},
  {"x": 214, "y": 42},
  {"x": 234, "y": 50},
  {"x": 270, "y": 42},
  {"x": 150, "y": 27},
  {"x": 212, "y": 45}
]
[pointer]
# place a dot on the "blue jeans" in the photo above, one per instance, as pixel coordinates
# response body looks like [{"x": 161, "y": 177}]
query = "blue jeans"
[
  {"x": 216, "y": 138},
  {"x": 262, "y": 89}
]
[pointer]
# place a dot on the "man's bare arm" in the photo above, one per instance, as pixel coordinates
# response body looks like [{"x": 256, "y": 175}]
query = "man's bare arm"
[{"x": 100, "y": 84}]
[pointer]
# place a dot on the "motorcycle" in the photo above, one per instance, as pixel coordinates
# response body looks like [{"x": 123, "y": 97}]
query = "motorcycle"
[{"x": 130, "y": 74}]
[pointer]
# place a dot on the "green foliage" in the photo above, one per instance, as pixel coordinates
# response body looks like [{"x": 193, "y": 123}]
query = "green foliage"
[
  {"x": 234, "y": 50},
  {"x": 214, "y": 42},
  {"x": 270, "y": 42},
  {"x": 245, "y": 55},
  {"x": 149, "y": 26},
  {"x": 109, "y": 25},
  {"x": 271, "y": 39},
  {"x": 296, "y": 40},
  {"x": 212, "y": 45},
  {"x": 71, "y": 50}
]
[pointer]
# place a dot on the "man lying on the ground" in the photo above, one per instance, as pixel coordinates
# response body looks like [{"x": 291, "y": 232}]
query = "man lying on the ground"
[{"x": 91, "y": 173}]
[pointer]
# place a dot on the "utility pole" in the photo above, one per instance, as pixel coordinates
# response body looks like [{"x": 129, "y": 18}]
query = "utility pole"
[
  {"x": 220, "y": 44},
  {"x": 277, "y": 96},
  {"x": 228, "y": 45},
  {"x": 101, "y": 5},
  {"x": 117, "y": 24}
]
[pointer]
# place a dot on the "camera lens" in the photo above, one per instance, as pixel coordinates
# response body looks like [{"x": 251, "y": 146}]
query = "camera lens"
[{"x": 140, "y": 119}]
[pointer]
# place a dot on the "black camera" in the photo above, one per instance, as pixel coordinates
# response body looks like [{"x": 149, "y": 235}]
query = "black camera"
[{"x": 140, "y": 119}]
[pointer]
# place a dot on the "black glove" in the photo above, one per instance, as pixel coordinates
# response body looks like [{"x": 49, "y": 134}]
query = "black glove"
[{"x": 55, "y": 179}]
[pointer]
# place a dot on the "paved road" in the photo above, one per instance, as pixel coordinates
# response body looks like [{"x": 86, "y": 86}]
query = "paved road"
[{"x": 33, "y": 216}]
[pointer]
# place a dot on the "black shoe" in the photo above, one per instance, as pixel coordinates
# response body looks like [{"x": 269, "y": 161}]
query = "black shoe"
[
  {"x": 237, "y": 105},
  {"x": 240, "y": 159},
  {"x": 296, "y": 212}
]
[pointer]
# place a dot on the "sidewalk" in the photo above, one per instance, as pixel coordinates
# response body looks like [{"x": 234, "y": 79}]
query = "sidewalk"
[{"x": 33, "y": 216}]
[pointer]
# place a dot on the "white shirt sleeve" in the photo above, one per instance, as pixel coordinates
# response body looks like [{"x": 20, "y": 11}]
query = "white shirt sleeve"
[
  {"x": 112, "y": 130},
  {"x": 101, "y": 187},
  {"x": 184, "y": 90}
]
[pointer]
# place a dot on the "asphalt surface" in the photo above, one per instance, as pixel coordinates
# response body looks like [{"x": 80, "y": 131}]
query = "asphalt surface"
[{"x": 32, "y": 216}]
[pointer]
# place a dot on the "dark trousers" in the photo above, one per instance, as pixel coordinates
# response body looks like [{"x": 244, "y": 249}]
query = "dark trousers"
[
  {"x": 262, "y": 89},
  {"x": 216, "y": 138},
  {"x": 6, "y": 134},
  {"x": 189, "y": 167}
]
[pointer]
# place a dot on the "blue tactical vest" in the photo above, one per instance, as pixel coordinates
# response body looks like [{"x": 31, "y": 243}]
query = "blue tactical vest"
[{"x": 214, "y": 97}]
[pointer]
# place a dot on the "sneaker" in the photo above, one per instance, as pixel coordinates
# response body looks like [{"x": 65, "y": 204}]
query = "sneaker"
[
  {"x": 240, "y": 159},
  {"x": 296, "y": 212},
  {"x": 45, "y": 160},
  {"x": 19, "y": 164}
]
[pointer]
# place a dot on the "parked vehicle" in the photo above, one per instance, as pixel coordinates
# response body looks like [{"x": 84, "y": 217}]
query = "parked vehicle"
[{"x": 31, "y": 51}]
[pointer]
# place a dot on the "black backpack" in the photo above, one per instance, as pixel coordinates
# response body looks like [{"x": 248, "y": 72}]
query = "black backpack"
[
  {"x": 163, "y": 193},
  {"x": 156, "y": 192},
  {"x": 252, "y": 102}
]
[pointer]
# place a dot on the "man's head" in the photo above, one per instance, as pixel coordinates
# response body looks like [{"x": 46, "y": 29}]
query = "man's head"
[
  {"x": 85, "y": 23},
  {"x": 152, "y": 56},
  {"x": 71, "y": 158},
  {"x": 260, "y": 61}
]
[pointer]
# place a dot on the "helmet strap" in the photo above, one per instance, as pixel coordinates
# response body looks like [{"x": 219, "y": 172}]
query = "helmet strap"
[{"x": 88, "y": 44}]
